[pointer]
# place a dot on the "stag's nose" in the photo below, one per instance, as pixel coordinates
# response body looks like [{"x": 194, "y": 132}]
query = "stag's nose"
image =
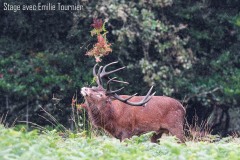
[{"x": 84, "y": 91}]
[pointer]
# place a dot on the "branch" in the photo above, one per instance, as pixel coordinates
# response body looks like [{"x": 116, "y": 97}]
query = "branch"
[{"x": 200, "y": 94}]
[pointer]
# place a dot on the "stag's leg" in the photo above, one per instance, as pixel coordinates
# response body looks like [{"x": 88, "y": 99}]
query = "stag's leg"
[
  {"x": 178, "y": 132},
  {"x": 158, "y": 135},
  {"x": 123, "y": 136}
]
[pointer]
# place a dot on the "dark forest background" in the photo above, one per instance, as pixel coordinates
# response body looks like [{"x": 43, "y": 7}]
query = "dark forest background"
[{"x": 187, "y": 49}]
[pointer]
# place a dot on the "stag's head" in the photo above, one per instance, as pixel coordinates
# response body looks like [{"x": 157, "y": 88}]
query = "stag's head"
[
  {"x": 99, "y": 94},
  {"x": 94, "y": 95}
]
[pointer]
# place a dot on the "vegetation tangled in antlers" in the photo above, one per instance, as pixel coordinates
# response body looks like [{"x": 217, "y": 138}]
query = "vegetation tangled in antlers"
[{"x": 102, "y": 47}]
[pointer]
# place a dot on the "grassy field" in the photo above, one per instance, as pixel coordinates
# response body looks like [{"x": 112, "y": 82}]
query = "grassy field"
[{"x": 22, "y": 145}]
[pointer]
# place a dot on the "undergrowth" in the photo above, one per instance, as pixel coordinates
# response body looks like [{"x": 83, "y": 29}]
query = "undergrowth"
[
  {"x": 22, "y": 145},
  {"x": 87, "y": 142}
]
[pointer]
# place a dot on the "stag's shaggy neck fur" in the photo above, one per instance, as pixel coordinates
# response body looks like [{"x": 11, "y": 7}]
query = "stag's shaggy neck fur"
[{"x": 103, "y": 118}]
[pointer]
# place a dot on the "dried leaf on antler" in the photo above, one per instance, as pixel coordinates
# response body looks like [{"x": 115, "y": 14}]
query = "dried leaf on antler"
[
  {"x": 98, "y": 26},
  {"x": 102, "y": 47}
]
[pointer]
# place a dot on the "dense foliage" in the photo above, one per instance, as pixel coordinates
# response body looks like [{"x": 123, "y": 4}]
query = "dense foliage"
[
  {"x": 31, "y": 145},
  {"x": 186, "y": 49}
]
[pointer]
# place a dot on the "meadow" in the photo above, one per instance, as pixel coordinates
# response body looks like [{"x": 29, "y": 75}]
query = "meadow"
[{"x": 53, "y": 145}]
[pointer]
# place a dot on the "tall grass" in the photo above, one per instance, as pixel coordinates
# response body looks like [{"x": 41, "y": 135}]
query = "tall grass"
[
  {"x": 199, "y": 131},
  {"x": 79, "y": 117},
  {"x": 3, "y": 120}
]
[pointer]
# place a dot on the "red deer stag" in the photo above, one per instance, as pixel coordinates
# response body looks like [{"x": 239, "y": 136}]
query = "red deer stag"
[{"x": 124, "y": 116}]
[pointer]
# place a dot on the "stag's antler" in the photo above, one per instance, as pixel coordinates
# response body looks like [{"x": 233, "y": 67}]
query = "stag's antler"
[
  {"x": 115, "y": 95},
  {"x": 102, "y": 74}
]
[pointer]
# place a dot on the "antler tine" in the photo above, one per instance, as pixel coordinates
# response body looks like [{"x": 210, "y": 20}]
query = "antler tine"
[
  {"x": 109, "y": 81},
  {"x": 141, "y": 103},
  {"x": 147, "y": 96},
  {"x": 120, "y": 81},
  {"x": 109, "y": 92},
  {"x": 104, "y": 73},
  {"x": 100, "y": 70},
  {"x": 109, "y": 64},
  {"x": 94, "y": 70},
  {"x": 114, "y": 92},
  {"x": 99, "y": 79},
  {"x": 114, "y": 80},
  {"x": 124, "y": 100}
]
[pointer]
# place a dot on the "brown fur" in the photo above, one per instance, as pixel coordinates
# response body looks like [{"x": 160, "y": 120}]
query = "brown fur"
[{"x": 161, "y": 115}]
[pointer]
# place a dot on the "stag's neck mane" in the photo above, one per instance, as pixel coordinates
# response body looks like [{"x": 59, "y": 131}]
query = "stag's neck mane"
[{"x": 103, "y": 118}]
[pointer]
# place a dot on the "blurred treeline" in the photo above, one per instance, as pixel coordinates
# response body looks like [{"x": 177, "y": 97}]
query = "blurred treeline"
[{"x": 187, "y": 49}]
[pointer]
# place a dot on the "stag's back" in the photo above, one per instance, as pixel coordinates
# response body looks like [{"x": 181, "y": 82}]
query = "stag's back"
[{"x": 157, "y": 105}]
